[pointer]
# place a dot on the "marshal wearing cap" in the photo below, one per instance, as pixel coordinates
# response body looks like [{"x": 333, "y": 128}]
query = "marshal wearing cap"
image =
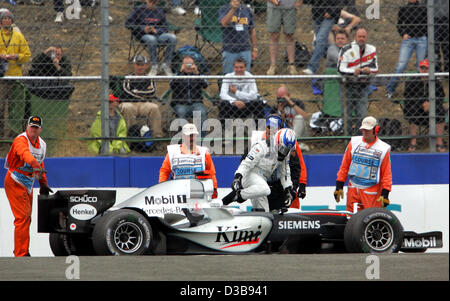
[
  {"x": 35, "y": 121},
  {"x": 368, "y": 123},
  {"x": 189, "y": 129}
]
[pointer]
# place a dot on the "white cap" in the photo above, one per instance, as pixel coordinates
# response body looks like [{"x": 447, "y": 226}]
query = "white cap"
[
  {"x": 189, "y": 129},
  {"x": 368, "y": 123}
]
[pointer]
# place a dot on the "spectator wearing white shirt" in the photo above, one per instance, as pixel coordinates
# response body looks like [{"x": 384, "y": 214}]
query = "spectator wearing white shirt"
[{"x": 239, "y": 97}]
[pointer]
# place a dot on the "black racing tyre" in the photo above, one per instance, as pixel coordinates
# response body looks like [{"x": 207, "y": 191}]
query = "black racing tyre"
[
  {"x": 373, "y": 230},
  {"x": 63, "y": 244},
  {"x": 349, "y": 242},
  {"x": 58, "y": 244},
  {"x": 122, "y": 232}
]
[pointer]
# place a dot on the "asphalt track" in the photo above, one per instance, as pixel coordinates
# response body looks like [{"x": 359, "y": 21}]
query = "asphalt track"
[{"x": 259, "y": 267}]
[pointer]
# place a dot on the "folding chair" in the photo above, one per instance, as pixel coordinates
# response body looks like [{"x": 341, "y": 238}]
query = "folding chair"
[{"x": 207, "y": 26}]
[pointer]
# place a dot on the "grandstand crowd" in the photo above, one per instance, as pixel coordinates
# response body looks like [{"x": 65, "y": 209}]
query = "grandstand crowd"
[{"x": 227, "y": 33}]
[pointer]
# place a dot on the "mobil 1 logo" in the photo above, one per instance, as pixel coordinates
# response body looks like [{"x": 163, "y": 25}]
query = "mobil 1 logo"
[{"x": 166, "y": 200}]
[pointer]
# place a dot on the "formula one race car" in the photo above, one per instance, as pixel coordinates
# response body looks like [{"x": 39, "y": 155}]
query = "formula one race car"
[{"x": 179, "y": 217}]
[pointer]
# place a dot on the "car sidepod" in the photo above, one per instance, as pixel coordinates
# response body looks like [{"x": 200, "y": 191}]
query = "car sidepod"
[
  {"x": 305, "y": 232},
  {"x": 220, "y": 232}
]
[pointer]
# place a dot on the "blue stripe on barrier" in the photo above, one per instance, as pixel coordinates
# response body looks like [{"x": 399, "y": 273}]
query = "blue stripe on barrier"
[
  {"x": 391, "y": 207},
  {"x": 407, "y": 169}
]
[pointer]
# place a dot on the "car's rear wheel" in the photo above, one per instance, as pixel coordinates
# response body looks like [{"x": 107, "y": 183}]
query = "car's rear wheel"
[
  {"x": 373, "y": 230},
  {"x": 122, "y": 232},
  {"x": 64, "y": 244}
]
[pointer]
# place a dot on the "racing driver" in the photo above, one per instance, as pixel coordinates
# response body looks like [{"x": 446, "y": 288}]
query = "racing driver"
[
  {"x": 296, "y": 164},
  {"x": 367, "y": 164},
  {"x": 264, "y": 158},
  {"x": 188, "y": 160}
]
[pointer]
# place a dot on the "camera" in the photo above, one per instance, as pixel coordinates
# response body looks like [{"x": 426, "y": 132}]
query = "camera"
[
  {"x": 52, "y": 55},
  {"x": 4, "y": 64},
  {"x": 282, "y": 100},
  {"x": 189, "y": 65}
]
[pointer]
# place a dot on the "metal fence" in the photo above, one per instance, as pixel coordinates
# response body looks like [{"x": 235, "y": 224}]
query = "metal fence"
[{"x": 74, "y": 65}]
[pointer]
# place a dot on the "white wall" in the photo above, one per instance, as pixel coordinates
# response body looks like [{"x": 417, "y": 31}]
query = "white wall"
[{"x": 423, "y": 208}]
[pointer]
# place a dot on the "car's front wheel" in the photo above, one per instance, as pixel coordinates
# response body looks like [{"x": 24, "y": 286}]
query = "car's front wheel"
[
  {"x": 373, "y": 230},
  {"x": 122, "y": 232}
]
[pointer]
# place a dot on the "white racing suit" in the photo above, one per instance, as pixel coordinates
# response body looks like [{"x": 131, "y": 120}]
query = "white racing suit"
[{"x": 257, "y": 168}]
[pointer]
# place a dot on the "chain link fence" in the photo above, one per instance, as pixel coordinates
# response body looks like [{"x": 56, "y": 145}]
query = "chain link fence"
[{"x": 68, "y": 64}]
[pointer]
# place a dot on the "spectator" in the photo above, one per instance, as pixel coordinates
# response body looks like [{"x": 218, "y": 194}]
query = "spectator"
[
  {"x": 355, "y": 59},
  {"x": 177, "y": 9},
  {"x": 14, "y": 26},
  {"x": 347, "y": 22},
  {"x": 14, "y": 52},
  {"x": 239, "y": 97},
  {"x": 117, "y": 128},
  {"x": 325, "y": 14},
  {"x": 417, "y": 107},
  {"x": 282, "y": 13},
  {"x": 58, "y": 7},
  {"x": 238, "y": 35},
  {"x": 412, "y": 27},
  {"x": 441, "y": 34},
  {"x": 292, "y": 112},
  {"x": 341, "y": 39},
  {"x": 136, "y": 97},
  {"x": 187, "y": 93},
  {"x": 51, "y": 62},
  {"x": 148, "y": 24},
  {"x": 350, "y": 7}
]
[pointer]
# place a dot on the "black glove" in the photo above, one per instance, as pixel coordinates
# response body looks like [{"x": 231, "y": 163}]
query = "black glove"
[
  {"x": 289, "y": 196},
  {"x": 339, "y": 192},
  {"x": 301, "y": 191},
  {"x": 384, "y": 198},
  {"x": 45, "y": 190},
  {"x": 237, "y": 182}
]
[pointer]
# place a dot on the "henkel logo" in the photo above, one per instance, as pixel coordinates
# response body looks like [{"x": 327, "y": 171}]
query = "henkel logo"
[
  {"x": 420, "y": 242},
  {"x": 83, "y": 212}
]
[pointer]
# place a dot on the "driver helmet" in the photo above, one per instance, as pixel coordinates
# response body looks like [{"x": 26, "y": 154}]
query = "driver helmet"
[{"x": 284, "y": 142}]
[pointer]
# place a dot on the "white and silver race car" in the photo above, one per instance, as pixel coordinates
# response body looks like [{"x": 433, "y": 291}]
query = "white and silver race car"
[{"x": 179, "y": 217}]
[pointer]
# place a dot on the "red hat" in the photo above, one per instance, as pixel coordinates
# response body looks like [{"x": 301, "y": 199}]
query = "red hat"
[
  {"x": 425, "y": 63},
  {"x": 112, "y": 98}
]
